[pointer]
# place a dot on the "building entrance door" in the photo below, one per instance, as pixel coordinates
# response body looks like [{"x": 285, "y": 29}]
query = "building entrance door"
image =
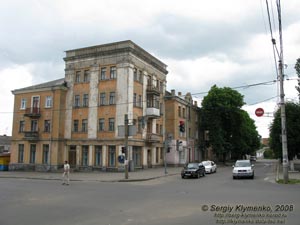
[{"x": 72, "y": 156}]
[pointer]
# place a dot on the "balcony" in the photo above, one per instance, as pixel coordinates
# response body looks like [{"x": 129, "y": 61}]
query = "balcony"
[
  {"x": 152, "y": 112},
  {"x": 152, "y": 138},
  {"x": 31, "y": 135},
  {"x": 151, "y": 89},
  {"x": 32, "y": 112}
]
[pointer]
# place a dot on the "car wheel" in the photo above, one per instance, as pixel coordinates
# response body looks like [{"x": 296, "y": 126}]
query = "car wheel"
[
  {"x": 182, "y": 176},
  {"x": 234, "y": 177}
]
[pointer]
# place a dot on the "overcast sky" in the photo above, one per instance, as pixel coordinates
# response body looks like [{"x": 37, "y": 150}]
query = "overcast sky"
[{"x": 222, "y": 42}]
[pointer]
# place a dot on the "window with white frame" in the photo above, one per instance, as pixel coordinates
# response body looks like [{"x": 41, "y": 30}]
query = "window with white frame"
[
  {"x": 113, "y": 72},
  {"x": 77, "y": 101},
  {"x": 86, "y": 76},
  {"x": 101, "y": 124},
  {"x": 48, "y": 102},
  {"x": 112, "y": 98},
  {"x": 85, "y": 100},
  {"x": 23, "y": 103},
  {"x": 103, "y": 73},
  {"x": 84, "y": 125},
  {"x": 102, "y": 99},
  {"x": 22, "y": 126},
  {"x": 77, "y": 77},
  {"x": 75, "y": 126},
  {"x": 111, "y": 124}
]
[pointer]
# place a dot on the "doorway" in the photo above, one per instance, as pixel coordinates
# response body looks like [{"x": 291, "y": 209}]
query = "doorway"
[{"x": 72, "y": 156}]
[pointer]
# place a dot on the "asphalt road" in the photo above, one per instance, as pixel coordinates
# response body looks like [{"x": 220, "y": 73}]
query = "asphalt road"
[{"x": 213, "y": 199}]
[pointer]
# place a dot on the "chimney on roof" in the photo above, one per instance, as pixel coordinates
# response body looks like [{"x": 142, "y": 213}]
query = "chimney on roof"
[
  {"x": 195, "y": 103},
  {"x": 179, "y": 93},
  {"x": 173, "y": 92}
]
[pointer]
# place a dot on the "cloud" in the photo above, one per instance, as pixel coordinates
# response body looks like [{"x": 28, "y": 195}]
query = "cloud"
[{"x": 11, "y": 78}]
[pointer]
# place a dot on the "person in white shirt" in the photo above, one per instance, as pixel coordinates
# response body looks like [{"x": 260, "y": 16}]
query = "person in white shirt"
[{"x": 66, "y": 174}]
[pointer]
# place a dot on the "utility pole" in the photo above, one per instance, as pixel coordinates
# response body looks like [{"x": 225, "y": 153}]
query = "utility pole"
[
  {"x": 285, "y": 159},
  {"x": 126, "y": 145}
]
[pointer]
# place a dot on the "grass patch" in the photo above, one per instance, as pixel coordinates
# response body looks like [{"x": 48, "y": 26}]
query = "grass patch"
[{"x": 291, "y": 181}]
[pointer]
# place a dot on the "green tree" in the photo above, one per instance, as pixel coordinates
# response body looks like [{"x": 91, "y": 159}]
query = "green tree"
[
  {"x": 292, "y": 131},
  {"x": 297, "y": 68},
  {"x": 231, "y": 130}
]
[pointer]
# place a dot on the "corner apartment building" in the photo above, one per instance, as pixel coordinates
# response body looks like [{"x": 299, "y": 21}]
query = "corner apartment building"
[
  {"x": 77, "y": 118},
  {"x": 182, "y": 129}
]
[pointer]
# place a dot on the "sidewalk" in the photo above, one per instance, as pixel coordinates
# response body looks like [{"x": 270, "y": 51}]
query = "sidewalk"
[{"x": 139, "y": 175}]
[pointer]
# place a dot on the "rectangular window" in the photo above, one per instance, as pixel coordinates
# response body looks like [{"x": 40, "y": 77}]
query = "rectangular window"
[
  {"x": 157, "y": 154},
  {"x": 84, "y": 125},
  {"x": 77, "y": 101},
  {"x": 48, "y": 102},
  {"x": 47, "y": 126},
  {"x": 134, "y": 99},
  {"x": 183, "y": 112},
  {"x": 77, "y": 77},
  {"x": 23, "y": 103},
  {"x": 111, "y": 124},
  {"x": 22, "y": 126},
  {"x": 179, "y": 111},
  {"x": 137, "y": 156},
  {"x": 102, "y": 99},
  {"x": 75, "y": 126},
  {"x": 113, "y": 72},
  {"x": 140, "y": 78},
  {"x": 45, "y": 154},
  {"x": 103, "y": 73},
  {"x": 112, "y": 98},
  {"x": 98, "y": 155},
  {"x": 32, "y": 154},
  {"x": 21, "y": 153},
  {"x": 140, "y": 101},
  {"x": 85, "y": 100},
  {"x": 135, "y": 74},
  {"x": 101, "y": 124},
  {"x": 86, "y": 76},
  {"x": 111, "y": 156},
  {"x": 85, "y": 155},
  {"x": 34, "y": 125},
  {"x": 161, "y": 86}
]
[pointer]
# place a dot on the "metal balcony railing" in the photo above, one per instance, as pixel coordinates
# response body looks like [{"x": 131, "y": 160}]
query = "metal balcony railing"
[{"x": 32, "y": 112}]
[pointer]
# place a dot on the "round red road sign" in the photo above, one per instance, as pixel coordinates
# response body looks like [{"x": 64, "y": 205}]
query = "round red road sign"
[{"x": 259, "y": 112}]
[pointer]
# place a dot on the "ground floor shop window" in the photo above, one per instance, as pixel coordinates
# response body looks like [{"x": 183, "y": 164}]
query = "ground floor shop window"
[
  {"x": 45, "y": 154},
  {"x": 137, "y": 156},
  {"x": 85, "y": 155},
  {"x": 98, "y": 155},
  {"x": 21, "y": 154},
  {"x": 111, "y": 156},
  {"x": 32, "y": 154}
]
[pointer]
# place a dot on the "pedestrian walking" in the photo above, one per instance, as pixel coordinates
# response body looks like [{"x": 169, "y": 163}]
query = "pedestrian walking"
[{"x": 66, "y": 174}]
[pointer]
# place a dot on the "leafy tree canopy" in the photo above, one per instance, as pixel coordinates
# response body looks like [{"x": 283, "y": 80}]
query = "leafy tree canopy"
[
  {"x": 231, "y": 130},
  {"x": 292, "y": 131}
]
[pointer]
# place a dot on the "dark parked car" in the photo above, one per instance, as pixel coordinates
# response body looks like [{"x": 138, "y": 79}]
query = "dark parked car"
[{"x": 193, "y": 170}]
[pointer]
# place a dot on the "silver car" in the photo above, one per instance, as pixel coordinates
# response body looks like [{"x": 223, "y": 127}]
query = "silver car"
[{"x": 243, "y": 168}]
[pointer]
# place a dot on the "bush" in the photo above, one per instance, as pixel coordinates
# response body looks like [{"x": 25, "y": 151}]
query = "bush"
[{"x": 269, "y": 154}]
